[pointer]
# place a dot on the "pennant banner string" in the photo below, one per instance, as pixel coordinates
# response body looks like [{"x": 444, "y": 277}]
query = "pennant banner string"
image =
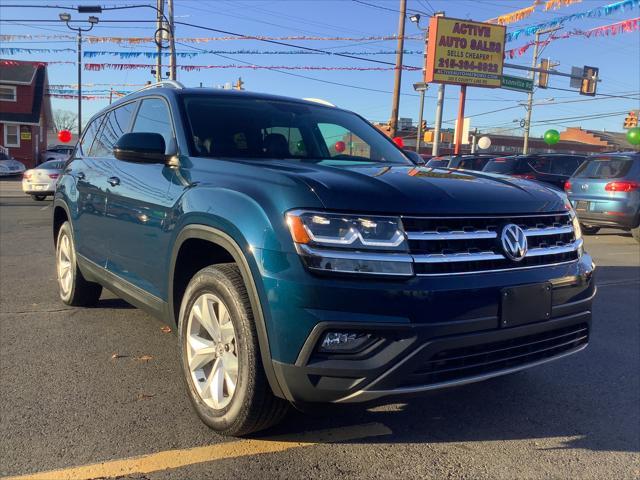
[
  {"x": 625, "y": 26},
  {"x": 138, "y": 40},
  {"x": 96, "y": 67},
  {"x": 603, "y": 11}
]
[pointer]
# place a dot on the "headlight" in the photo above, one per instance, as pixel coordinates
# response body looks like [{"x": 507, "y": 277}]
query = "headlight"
[
  {"x": 346, "y": 231},
  {"x": 332, "y": 242},
  {"x": 577, "y": 231}
]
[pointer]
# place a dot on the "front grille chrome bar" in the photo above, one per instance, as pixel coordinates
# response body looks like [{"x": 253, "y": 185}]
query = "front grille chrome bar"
[
  {"x": 457, "y": 257},
  {"x": 555, "y": 249},
  {"x": 456, "y": 235},
  {"x": 489, "y": 256},
  {"x": 535, "y": 232}
]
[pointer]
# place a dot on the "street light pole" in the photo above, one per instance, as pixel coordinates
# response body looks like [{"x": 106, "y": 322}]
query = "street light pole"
[
  {"x": 532, "y": 75},
  {"x": 422, "y": 88},
  {"x": 65, "y": 17}
]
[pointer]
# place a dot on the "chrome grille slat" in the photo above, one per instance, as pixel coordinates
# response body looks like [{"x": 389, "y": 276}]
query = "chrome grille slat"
[
  {"x": 535, "y": 232},
  {"x": 457, "y": 257},
  {"x": 554, "y": 249},
  {"x": 455, "y": 235}
]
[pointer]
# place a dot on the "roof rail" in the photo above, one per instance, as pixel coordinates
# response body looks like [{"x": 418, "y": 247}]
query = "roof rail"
[{"x": 162, "y": 83}]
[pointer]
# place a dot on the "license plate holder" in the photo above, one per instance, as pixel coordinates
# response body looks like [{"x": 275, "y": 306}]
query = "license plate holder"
[
  {"x": 525, "y": 304},
  {"x": 582, "y": 205}
]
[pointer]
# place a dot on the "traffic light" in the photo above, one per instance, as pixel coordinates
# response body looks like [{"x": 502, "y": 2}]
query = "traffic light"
[
  {"x": 589, "y": 81},
  {"x": 423, "y": 126},
  {"x": 543, "y": 77},
  {"x": 631, "y": 121}
]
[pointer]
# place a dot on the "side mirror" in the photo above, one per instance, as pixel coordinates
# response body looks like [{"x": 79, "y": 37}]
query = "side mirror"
[{"x": 140, "y": 147}]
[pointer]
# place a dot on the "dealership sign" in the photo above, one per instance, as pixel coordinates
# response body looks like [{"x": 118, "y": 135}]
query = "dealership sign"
[{"x": 462, "y": 52}]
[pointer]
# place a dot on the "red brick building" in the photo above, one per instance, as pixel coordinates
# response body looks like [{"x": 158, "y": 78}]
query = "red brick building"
[{"x": 25, "y": 109}]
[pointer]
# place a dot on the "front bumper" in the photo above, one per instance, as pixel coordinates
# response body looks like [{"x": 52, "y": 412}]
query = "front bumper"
[{"x": 434, "y": 327}]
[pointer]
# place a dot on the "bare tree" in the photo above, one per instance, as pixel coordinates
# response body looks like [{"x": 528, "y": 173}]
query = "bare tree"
[{"x": 65, "y": 120}]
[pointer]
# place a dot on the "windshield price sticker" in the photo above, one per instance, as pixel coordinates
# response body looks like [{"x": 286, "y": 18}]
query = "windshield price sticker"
[{"x": 465, "y": 53}]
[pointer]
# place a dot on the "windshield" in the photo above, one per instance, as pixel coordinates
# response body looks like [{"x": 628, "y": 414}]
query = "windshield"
[
  {"x": 604, "y": 167},
  {"x": 501, "y": 165},
  {"x": 236, "y": 127}
]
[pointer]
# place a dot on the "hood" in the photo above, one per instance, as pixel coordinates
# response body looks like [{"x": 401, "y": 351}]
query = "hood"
[{"x": 421, "y": 190}]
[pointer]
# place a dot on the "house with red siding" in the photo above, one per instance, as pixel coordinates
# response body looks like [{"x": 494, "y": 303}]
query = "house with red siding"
[{"x": 25, "y": 110}]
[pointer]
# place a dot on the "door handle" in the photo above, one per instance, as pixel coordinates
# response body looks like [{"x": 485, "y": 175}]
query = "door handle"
[{"x": 114, "y": 181}]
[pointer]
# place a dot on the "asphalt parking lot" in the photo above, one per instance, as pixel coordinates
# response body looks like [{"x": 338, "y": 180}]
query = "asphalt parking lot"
[{"x": 94, "y": 393}]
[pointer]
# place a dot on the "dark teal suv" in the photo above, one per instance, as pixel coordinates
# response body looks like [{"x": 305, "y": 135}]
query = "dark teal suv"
[{"x": 305, "y": 259}]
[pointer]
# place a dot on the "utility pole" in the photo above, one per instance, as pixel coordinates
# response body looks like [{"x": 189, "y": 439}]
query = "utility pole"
[
  {"x": 158, "y": 39},
  {"x": 395, "y": 106},
  {"x": 172, "y": 42},
  {"x": 532, "y": 76}
]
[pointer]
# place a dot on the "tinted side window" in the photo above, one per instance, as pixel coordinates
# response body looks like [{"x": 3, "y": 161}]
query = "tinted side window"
[
  {"x": 114, "y": 126},
  {"x": 154, "y": 117},
  {"x": 89, "y": 134},
  {"x": 564, "y": 166},
  {"x": 541, "y": 164}
]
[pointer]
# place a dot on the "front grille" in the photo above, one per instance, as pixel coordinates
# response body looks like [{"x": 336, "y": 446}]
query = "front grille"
[
  {"x": 472, "y": 244},
  {"x": 461, "y": 363}
]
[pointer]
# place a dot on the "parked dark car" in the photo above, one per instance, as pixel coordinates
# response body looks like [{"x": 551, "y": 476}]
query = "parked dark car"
[
  {"x": 605, "y": 191},
  {"x": 553, "y": 169},
  {"x": 461, "y": 162},
  {"x": 304, "y": 259}
]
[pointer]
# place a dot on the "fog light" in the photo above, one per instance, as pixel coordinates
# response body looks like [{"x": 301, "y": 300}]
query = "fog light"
[{"x": 345, "y": 342}]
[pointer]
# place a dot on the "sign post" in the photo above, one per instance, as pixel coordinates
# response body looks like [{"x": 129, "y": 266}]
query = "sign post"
[{"x": 465, "y": 53}]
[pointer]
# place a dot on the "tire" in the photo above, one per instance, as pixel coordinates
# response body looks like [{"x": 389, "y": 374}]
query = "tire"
[
  {"x": 230, "y": 409},
  {"x": 587, "y": 230},
  {"x": 73, "y": 288},
  {"x": 38, "y": 198},
  {"x": 635, "y": 232}
]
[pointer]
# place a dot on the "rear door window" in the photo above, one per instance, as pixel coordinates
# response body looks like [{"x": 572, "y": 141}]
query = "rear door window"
[
  {"x": 541, "y": 164},
  {"x": 501, "y": 165},
  {"x": 564, "y": 165},
  {"x": 605, "y": 167}
]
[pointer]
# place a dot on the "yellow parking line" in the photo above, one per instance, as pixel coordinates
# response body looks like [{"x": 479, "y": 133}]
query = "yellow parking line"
[{"x": 179, "y": 458}]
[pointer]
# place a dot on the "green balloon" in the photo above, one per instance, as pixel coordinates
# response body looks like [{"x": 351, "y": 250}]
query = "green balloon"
[
  {"x": 551, "y": 137},
  {"x": 633, "y": 136}
]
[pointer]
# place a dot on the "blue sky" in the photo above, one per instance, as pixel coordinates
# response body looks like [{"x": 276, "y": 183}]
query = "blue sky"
[{"x": 618, "y": 57}]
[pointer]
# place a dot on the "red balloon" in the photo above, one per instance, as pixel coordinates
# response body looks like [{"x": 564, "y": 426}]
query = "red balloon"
[
  {"x": 64, "y": 136},
  {"x": 398, "y": 141},
  {"x": 340, "y": 147}
]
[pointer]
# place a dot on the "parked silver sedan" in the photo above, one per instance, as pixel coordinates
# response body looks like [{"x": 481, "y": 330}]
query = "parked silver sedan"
[
  {"x": 10, "y": 166},
  {"x": 41, "y": 181}
]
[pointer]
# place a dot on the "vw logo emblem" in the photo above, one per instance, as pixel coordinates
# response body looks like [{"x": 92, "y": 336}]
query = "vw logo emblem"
[
  {"x": 514, "y": 242},
  {"x": 584, "y": 186}
]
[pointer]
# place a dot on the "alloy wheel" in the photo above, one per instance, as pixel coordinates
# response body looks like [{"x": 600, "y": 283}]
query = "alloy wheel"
[
  {"x": 64, "y": 260},
  {"x": 212, "y": 353}
]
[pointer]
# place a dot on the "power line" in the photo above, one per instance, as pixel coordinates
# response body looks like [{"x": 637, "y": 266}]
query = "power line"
[
  {"x": 275, "y": 42},
  {"x": 329, "y": 82}
]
